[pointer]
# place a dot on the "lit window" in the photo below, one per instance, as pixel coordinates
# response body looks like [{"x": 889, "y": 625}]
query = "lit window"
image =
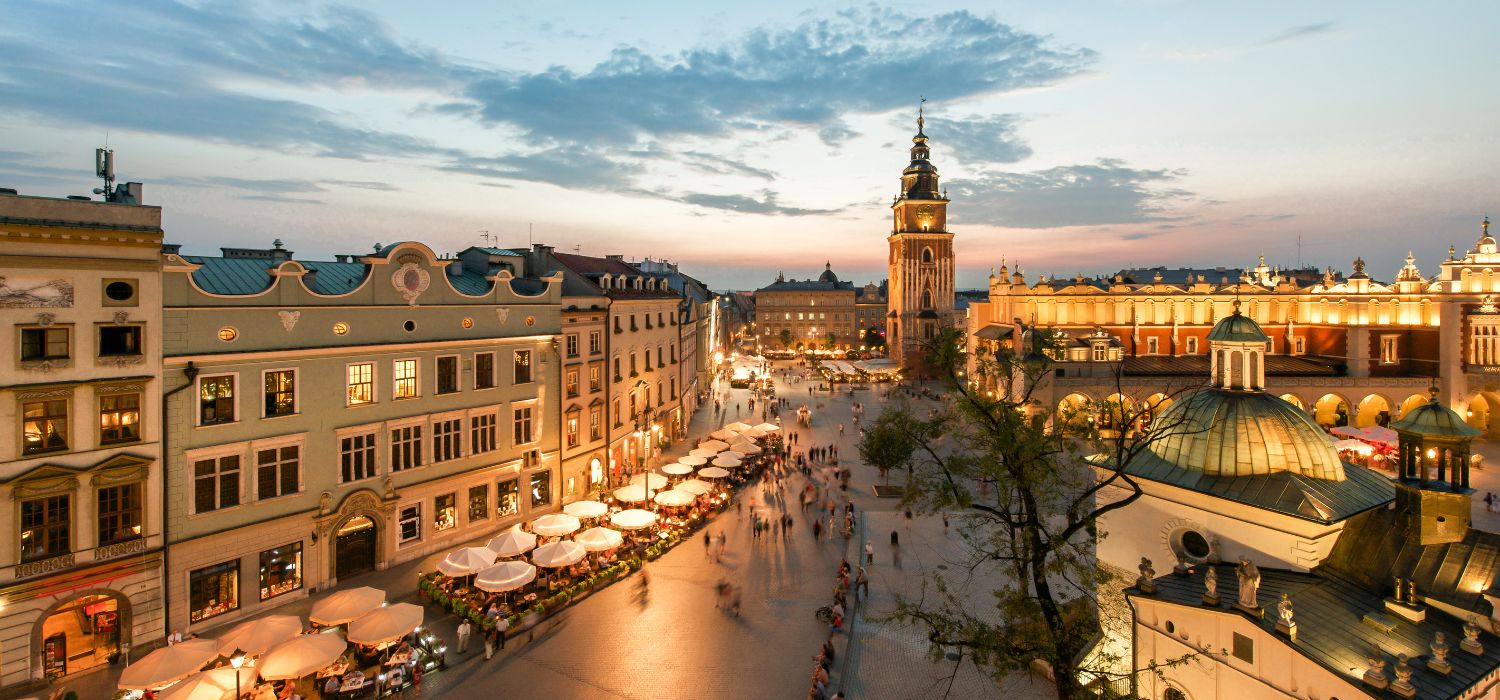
[
  {"x": 216, "y": 400},
  {"x": 119, "y": 418},
  {"x": 281, "y": 393},
  {"x": 119, "y": 513},
  {"x": 444, "y": 512},
  {"x": 361, "y": 382},
  {"x": 1388, "y": 355},
  {"x": 523, "y": 367},
  {"x": 409, "y": 524},
  {"x": 44, "y": 426},
  {"x": 404, "y": 379},
  {"x": 46, "y": 527}
]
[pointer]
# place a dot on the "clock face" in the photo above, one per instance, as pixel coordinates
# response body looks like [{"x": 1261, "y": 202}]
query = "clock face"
[{"x": 925, "y": 211}]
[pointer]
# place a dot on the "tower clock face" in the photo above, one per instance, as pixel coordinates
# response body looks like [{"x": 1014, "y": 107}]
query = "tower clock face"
[{"x": 925, "y": 211}]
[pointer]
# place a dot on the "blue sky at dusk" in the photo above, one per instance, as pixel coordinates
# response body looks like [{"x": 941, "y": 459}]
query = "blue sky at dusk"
[{"x": 746, "y": 138}]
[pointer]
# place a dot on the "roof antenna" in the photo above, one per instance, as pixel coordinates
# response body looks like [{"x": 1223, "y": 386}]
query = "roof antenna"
[
  {"x": 104, "y": 169},
  {"x": 484, "y": 235}
]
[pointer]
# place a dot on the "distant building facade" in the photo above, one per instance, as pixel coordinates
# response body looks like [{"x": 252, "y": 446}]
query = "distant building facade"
[
  {"x": 80, "y": 396},
  {"x": 817, "y": 314}
]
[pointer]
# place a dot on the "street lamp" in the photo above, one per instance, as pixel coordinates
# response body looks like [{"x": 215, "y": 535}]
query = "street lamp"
[{"x": 236, "y": 662}]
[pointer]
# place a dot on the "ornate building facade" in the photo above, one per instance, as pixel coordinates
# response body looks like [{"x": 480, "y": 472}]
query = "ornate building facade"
[
  {"x": 1347, "y": 350},
  {"x": 921, "y": 259},
  {"x": 823, "y": 313}
]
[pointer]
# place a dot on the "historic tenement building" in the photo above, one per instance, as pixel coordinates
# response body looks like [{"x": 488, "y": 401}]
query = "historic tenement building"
[
  {"x": 822, "y": 313},
  {"x": 80, "y": 396},
  {"x": 921, "y": 260},
  {"x": 343, "y": 416},
  {"x": 1347, "y": 350}
]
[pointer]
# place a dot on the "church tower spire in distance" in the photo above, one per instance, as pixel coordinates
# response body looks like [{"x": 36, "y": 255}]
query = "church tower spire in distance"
[{"x": 920, "y": 302}]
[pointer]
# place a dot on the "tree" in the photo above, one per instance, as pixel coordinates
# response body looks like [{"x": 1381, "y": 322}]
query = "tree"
[
  {"x": 1031, "y": 497},
  {"x": 873, "y": 339},
  {"x": 786, "y": 338},
  {"x": 830, "y": 340}
]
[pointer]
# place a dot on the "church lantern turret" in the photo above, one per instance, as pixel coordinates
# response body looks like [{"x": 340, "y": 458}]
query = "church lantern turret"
[{"x": 1237, "y": 349}]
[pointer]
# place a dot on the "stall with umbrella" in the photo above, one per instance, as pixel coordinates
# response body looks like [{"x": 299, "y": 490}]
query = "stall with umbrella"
[
  {"x": 737, "y": 427},
  {"x": 345, "y": 606},
  {"x": 300, "y": 656},
  {"x": 505, "y": 576},
  {"x": 257, "y": 636},
  {"x": 633, "y": 519},
  {"x": 677, "y": 469},
  {"x": 722, "y": 434},
  {"x": 385, "y": 625},
  {"x": 512, "y": 543},
  {"x": 468, "y": 560},
  {"x": 724, "y": 461},
  {"x": 715, "y": 445},
  {"x": 768, "y": 428},
  {"x": 674, "y": 498},
  {"x": 213, "y": 684},
  {"x": 169, "y": 664},
  {"x": 634, "y": 493},
  {"x": 555, "y": 525},
  {"x": 702, "y": 453},
  {"x": 599, "y": 539},
  {"x": 694, "y": 486},
  {"x": 713, "y": 473},
  {"x": 693, "y": 460},
  {"x": 586, "y": 509},
  {"x": 652, "y": 481}
]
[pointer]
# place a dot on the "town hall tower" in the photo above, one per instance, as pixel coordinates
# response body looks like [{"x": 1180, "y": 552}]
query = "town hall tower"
[{"x": 921, "y": 275}]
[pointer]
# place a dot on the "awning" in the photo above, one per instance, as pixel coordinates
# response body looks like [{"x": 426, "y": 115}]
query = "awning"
[{"x": 995, "y": 331}]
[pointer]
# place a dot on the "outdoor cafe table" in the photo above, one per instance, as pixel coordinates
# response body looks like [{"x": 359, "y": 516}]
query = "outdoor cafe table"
[{"x": 398, "y": 658}]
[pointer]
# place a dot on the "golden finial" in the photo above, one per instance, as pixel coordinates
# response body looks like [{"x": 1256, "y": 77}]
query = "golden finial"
[
  {"x": 1486, "y": 225},
  {"x": 921, "y": 121}
]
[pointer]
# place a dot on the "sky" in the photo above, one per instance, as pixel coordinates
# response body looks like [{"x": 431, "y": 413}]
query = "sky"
[{"x": 745, "y": 139}]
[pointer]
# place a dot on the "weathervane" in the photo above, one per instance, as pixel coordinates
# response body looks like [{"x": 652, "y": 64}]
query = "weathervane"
[{"x": 921, "y": 106}]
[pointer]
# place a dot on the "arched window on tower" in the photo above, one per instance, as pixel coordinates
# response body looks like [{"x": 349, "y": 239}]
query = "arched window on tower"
[
  {"x": 926, "y": 298},
  {"x": 926, "y": 256}
]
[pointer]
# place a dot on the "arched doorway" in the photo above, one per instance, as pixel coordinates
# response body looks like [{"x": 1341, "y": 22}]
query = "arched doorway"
[
  {"x": 1075, "y": 412},
  {"x": 81, "y": 633},
  {"x": 1119, "y": 409},
  {"x": 1411, "y": 402},
  {"x": 1293, "y": 400},
  {"x": 1373, "y": 410},
  {"x": 1484, "y": 413},
  {"x": 354, "y": 547},
  {"x": 1331, "y": 411}
]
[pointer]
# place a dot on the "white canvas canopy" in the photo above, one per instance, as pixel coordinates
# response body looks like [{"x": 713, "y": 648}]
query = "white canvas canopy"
[
  {"x": 674, "y": 498},
  {"x": 753, "y": 433},
  {"x": 748, "y": 449},
  {"x": 300, "y": 656},
  {"x": 556, "y": 554},
  {"x": 725, "y": 461},
  {"x": 256, "y": 637},
  {"x": 693, "y": 460},
  {"x": 585, "y": 509},
  {"x": 512, "y": 543},
  {"x": 634, "y": 493},
  {"x": 505, "y": 576},
  {"x": 555, "y": 525},
  {"x": 213, "y": 684},
  {"x": 633, "y": 519},
  {"x": 715, "y": 445},
  {"x": 737, "y": 427},
  {"x": 652, "y": 481},
  {"x": 768, "y": 427},
  {"x": 599, "y": 539},
  {"x": 730, "y": 454},
  {"x": 676, "y": 469},
  {"x": 723, "y": 434},
  {"x": 695, "y": 487},
  {"x": 712, "y": 473},
  {"x": 169, "y": 664},
  {"x": 387, "y": 624},
  {"x": 703, "y": 452},
  {"x": 462, "y": 562},
  {"x": 345, "y": 606}
]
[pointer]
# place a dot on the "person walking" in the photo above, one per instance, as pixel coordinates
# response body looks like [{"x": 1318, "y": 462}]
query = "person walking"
[
  {"x": 464, "y": 630},
  {"x": 489, "y": 644},
  {"x": 869, "y": 552}
]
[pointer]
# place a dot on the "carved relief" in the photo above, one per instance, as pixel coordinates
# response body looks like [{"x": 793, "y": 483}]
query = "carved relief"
[
  {"x": 289, "y": 319},
  {"x": 410, "y": 280},
  {"x": 503, "y": 313},
  {"x": 121, "y": 318},
  {"x": 35, "y": 293},
  {"x": 45, "y": 319}
]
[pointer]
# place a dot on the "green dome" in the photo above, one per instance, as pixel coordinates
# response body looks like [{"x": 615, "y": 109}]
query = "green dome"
[
  {"x": 1225, "y": 433},
  {"x": 1238, "y": 328},
  {"x": 1435, "y": 419}
]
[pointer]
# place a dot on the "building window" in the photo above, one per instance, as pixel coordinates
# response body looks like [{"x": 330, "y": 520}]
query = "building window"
[
  {"x": 444, "y": 512},
  {"x": 278, "y": 471},
  {"x": 46, "y": 527},
  {"x": 1192, "y": 345},
  {"x": 357, "y": 456},
  {"x": 541, "y": 488},
  {"x": 119, "y": 418},
  {"x": 484, "y": 370},
  {"x": 44, "y": 344},
  {"x": 44, "y": 426},
  {"x": 571, "y": 426},
  {"x": 508, "y": 498},
  {"x": 523, "y": 367},
  {"x": 479, "y": 502},
  {"x": 1153, "y": 346},
  {"x": 280, "y": 570},
  {"x": 1100, "y": 353},
  {"x": 596, "y": 343},
  {"x": 571, "y": 384},
  {"x": 119, "y": 513},
  {"x": 616, "y": 413},
  {"x": 617, "y": 368},
  {"x": 404, "y": 379},
  {"x": 361, "y": 382},
  {"x": 216, "y": 483},
  {"x": 216, "y": 400},
  {"x": 281, "y": 393},
  {"x": 596, "y": 472},
  {"x": 1244, "y": 648},
  {"x": 1388, "y": 355},
  {"x": 633, "y": 371},
  {"x": 116, "y": 341},
  {"x": 447, "y": 374},
  {"x": 447, "y": 439},
  {"x": 409, "y": 524},
  {"x": 482, "y": 433},
  {"x": 406, "y": 447},
  {"x": 522, "y": 425},
  {"x": 214, "y": 590},
  {"x": 1299, "y": 345},
  {"x": 572, "y": 344},
  {"x": 595, "y": 428}
]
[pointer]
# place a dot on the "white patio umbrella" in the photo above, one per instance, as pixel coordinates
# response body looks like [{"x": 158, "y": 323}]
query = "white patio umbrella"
[
  {"x": 768, "y": 427},
  {"x": 599, "y": 539},
  {"x": 737, "y": 427},
  {"x": 677, "y": 469},
  {"x": 753, "y": 433},
  {"x": 213, "y": 684},
  {"x": 702, "y": 452},
  {"x": 555, "y": 525},
  {"x": 725, "y": 461},
  {"x": 674, "y": 498},
  {"x": 462, "y": 562},
  {"x": 585, "y": 509},
  {"x": 558, "y": 554},
  {"x": 652, "y": 481},
  {"x": 256, "y": 637},
  {"x": 512, "y": 543},
  {"x": 693, "y": 460},
  {"x": 634, "y": 493},
  {"x": 723, "y": 434},
  {"x": 345, "y": 606},
  {"x": 505, "y": 576},
  {"x": 695, "y": 487},
  {"x": 386, "y": 624},
  {"x": 633, "y": 519},
  {"x": 748, "y": 449},
  {"x": 169, "y": 664},
  {"x": 715, "y": 445},
  {"x": 730, "y": 454},
  {"x": 712, "y": 473},
  {"x": 303, "y": 655}
]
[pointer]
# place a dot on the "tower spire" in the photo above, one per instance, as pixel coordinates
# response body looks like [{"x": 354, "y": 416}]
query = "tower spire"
[{"x": 921, "y": 122}]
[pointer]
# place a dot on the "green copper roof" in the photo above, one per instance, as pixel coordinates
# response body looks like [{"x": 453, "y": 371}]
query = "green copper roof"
[
  {"x": 1436, "y": 420},
  {"x": 1239, "y": 328},
  {"x": 1219, "y": 432}
]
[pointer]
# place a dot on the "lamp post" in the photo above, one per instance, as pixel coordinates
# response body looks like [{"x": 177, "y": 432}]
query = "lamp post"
[{"x": 236, "y": 662}]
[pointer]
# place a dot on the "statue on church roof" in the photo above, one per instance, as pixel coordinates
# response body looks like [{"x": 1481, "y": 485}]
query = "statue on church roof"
[{"x": 1249, "y": 577}]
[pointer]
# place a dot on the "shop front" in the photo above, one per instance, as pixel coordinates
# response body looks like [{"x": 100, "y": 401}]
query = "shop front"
[{"x": 84, "y": 633}]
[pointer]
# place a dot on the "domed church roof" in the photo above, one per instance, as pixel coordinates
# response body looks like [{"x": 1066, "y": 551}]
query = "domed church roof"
[
  {"x": 1220, "y": 432},
  {"x": 1436, "y": 420},
  {"x": 828, "y": 275},
  {"x": 1238, "y": 328}
]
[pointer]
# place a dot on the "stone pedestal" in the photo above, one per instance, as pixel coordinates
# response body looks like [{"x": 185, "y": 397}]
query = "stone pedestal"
[
  {"x": 1404, "y": 688},
  {"x": 1472, "y": 646},
  {"x": 1289, "y": 630},
  {"x": 1255, "y": 612},
  {"x": 1413, "y": 613},
  {"x": 1211, "y": 600},
  {"x": 1440, "y": 667},
  {"x": 1376, "y": 679}
]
